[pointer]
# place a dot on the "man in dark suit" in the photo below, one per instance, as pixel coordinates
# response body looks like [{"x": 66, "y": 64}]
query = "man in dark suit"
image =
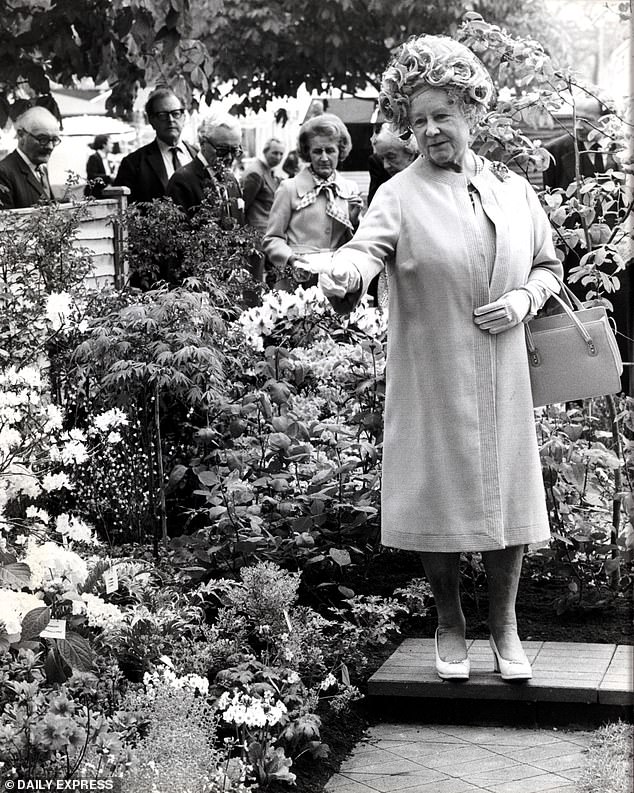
[
  {"x": 561, "y": 170},
  {"x": 260, "y": 183},
  {"x": 219, "y": 138},
  {"x": 147, "y": 170},
  {"x": 23, "y": 173}
]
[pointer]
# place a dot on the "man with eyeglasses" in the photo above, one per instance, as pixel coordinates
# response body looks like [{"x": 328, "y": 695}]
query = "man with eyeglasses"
[
  {"x": 24, "y": 178},
  {"x": 219, "y": 138},
  {"x": 147, "y": 170}
]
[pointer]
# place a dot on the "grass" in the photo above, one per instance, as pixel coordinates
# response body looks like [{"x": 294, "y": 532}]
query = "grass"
[{"x": 609, "y": 765}]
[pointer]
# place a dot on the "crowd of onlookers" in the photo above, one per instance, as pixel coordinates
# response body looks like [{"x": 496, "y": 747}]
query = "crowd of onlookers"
[{"x": 298, "y": 200}]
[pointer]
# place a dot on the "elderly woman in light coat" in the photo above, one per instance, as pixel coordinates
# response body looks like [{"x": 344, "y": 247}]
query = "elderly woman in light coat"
[
  {"x": 318, "y": 209},
  {"x": 470, "y": 259}
]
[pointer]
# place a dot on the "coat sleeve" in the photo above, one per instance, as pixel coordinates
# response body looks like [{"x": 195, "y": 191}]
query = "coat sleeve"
[
  {"x": 274, "y": 243},
  {"x": 251, "y": 186},
  {"x": 127, "y": 175},
  {"x": 7, "y": 191},
  {"x": 372, "y": 245},
  {"x": 546, "y": 269}
]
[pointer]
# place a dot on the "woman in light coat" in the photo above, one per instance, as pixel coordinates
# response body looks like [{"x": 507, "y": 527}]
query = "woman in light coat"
[
  {"x": 318, "y": 209},
  {"x": 470, "y": 258}
]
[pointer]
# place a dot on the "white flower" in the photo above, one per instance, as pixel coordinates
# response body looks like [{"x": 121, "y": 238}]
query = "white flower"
[
  {"x": 13, "y": 607},
  {"x": 73, "y": 528},
  {"x": 52, "y": 566},
  {"x": 74, "y": 451},
  {"x": 329, "y": 681},
  {"x": 101, "y": 614},
  {"x": 114, "y": 437},
  {"x": 18, "y": 480},
  {"x": 40, "y": 515},
  {"x": 56, "y": 482},
  {"x": 110, "y": 419},
  {"x": 239, "y": 708},
  {"x": 55, "y": 418},
  {"x": 10, "y": 438},
  {"x": 58, "y": 309}
]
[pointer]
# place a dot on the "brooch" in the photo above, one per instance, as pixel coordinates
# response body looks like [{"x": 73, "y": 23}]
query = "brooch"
[{"x": 500, "y": 170}]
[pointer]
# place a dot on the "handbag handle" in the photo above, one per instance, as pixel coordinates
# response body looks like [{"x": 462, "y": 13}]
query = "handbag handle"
[
  {"x": 565, "y": 291},
  {"x": 533, "y": 352}
]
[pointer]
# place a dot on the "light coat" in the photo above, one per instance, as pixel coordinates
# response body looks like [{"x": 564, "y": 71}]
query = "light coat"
[
  {"x": 461, "y": 469},
  {"x": 291, "y": 231}
]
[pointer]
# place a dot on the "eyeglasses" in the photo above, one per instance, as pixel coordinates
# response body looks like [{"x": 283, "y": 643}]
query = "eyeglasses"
[
  {"x": 164, "y": 115},
  {"x": 43, "y": 140},
  {"x": 225, "y": 151}
]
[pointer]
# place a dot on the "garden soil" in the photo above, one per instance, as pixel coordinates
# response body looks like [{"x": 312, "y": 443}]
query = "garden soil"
[{"x": 607, "y": 622}]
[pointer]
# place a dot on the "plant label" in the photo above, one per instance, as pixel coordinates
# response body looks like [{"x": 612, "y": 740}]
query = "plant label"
[
  {"x": 111, "y": 580},
  {"x": 56, "y": 629}
]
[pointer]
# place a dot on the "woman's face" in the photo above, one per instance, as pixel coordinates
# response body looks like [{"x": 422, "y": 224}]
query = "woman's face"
[
  {"x": 440, "y": 128},
  {"x": 324, "y": 155}
]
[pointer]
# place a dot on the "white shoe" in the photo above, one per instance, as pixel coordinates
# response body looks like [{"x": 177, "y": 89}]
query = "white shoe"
[
  {"x": 510, "y": 670},
  {"x": 451, "y": 670}
]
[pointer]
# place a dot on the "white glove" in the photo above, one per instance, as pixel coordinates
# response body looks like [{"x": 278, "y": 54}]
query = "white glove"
[
  {"x": 504, "y": 313},
  {"x": 341, "y": 280}
]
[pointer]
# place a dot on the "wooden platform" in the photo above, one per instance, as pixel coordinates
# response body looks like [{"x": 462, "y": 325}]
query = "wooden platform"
[{"x": 600, "y": 674}]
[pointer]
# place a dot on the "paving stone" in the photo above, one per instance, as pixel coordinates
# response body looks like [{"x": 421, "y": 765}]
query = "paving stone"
[
  {"x": 562, "y": 763},
  {"x": 374, "y": 757},
  {"x": 545, "y": 752},
  {"x": 501, "y": 736},
  {"x": 450, "y": 757},
  {"x": 536, "y": 784},
  {"x": 447, "y": 758},
  {"x": 341, "y": 784},
  {"x": 511, "y": 773},
  {"x": 405, "y": 780}
]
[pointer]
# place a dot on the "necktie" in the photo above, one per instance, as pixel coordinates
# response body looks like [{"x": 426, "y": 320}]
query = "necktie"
[
  {"x": 176, "y": 163},
  {"x": 43, "y": 177}
]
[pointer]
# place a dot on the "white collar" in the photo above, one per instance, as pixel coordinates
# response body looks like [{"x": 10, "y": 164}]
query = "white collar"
[{"x": 165, "y": 147}]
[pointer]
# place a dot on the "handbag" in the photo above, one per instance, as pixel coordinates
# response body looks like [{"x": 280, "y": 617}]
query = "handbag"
[{"x": 573, "y": 353}]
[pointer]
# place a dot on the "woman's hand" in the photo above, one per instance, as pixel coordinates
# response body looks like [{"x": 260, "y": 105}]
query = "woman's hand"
[
  {"x": 355, "y": 205},
  {"x": 504, "y": 313},
  {"x": 340, "y": 281}
]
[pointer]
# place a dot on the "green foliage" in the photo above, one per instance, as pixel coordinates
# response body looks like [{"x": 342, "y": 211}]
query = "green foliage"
[
  {"x": 57, "y": 732},
  {"x": 40, "y": 256},
  {"x": 201, "y": 46},
  {"x": 578, "y": 448},
  {"x": 166, "y": 244}
]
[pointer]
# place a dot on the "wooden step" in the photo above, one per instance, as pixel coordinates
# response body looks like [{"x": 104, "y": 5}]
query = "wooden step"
[{"x": 564, "y": 672}]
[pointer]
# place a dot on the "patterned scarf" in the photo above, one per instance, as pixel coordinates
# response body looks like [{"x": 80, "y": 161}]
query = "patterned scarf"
[{"x": 331, "y": 190}]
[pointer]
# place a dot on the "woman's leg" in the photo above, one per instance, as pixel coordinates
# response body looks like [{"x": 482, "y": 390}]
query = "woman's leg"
[
  {"x": 503, "y": 570},
  {"x": 443, "y": 573}
]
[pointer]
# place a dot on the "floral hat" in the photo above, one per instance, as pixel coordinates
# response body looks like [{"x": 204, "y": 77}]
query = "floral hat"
[{"x": 437, "y": 62}]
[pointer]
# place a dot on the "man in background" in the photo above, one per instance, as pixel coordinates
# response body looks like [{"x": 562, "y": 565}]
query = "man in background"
[
  {"x": 24, "y": 178},
  {"x": 260, "y": 183},
  {"x": 390, "y": 154},
  {"x": 219, "y": 138},
  {"x": 147, "y": 170}
]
